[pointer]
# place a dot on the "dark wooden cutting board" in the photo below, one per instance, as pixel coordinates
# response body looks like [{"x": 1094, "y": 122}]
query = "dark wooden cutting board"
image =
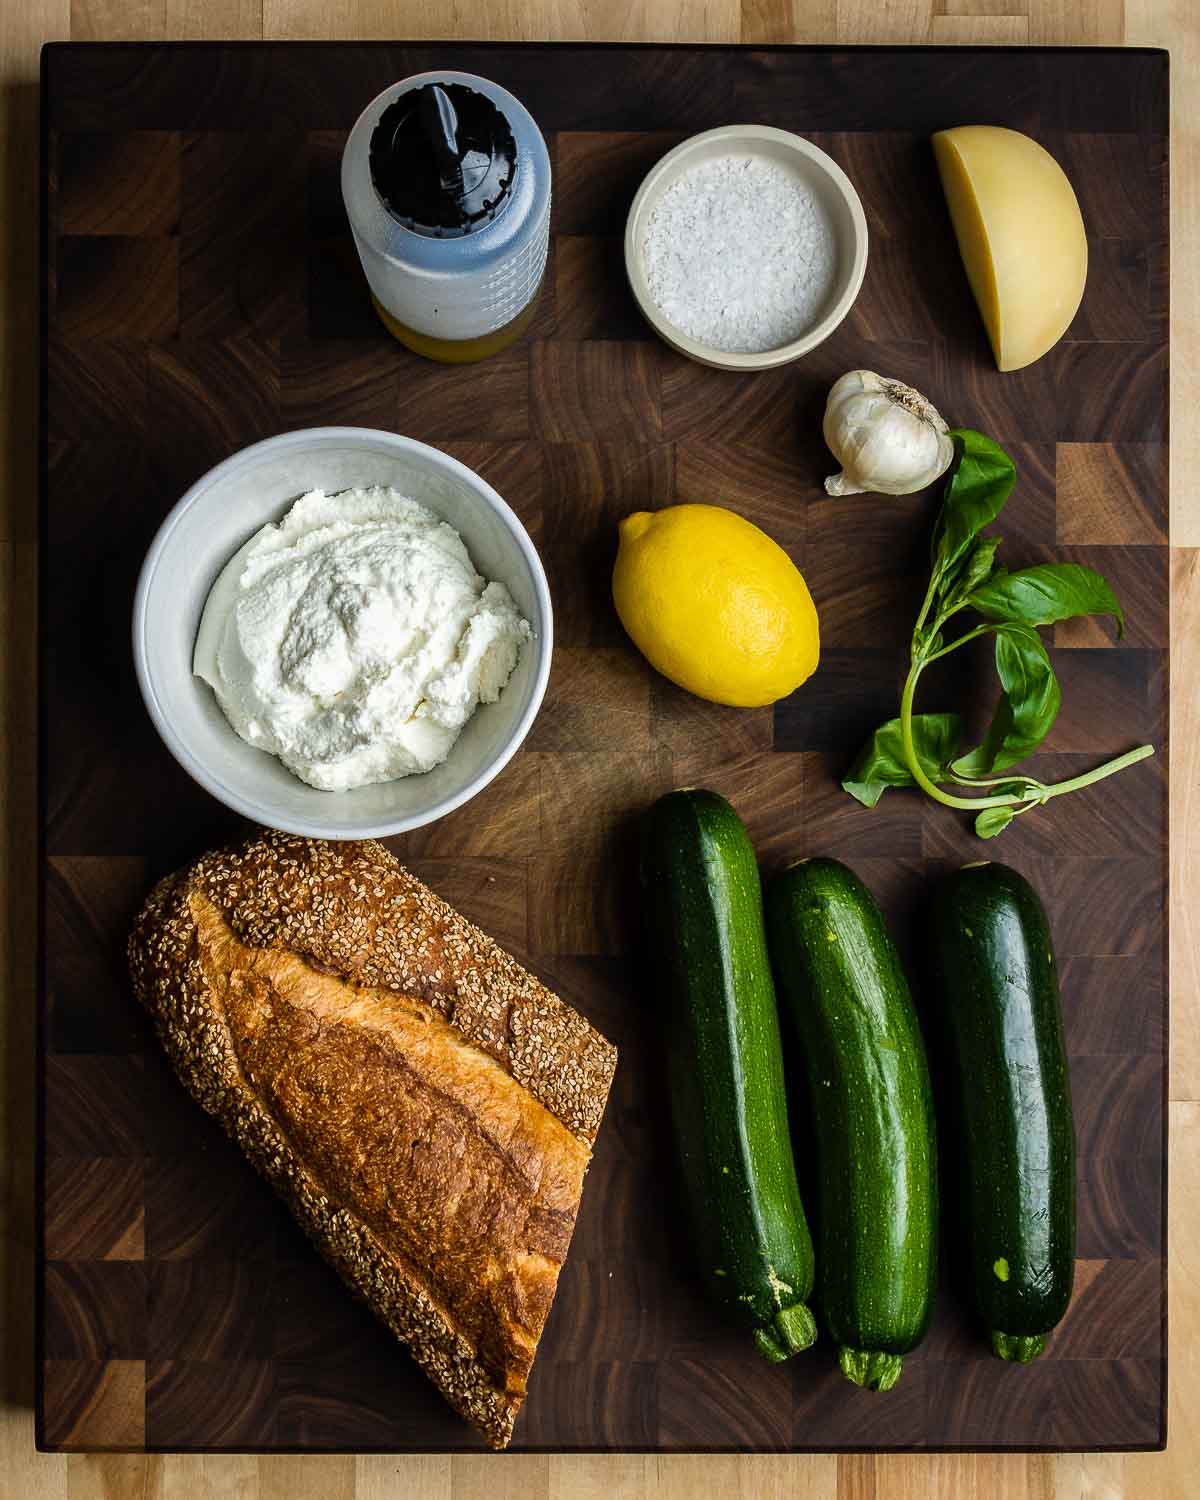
[{"x": 201, "y": 293}]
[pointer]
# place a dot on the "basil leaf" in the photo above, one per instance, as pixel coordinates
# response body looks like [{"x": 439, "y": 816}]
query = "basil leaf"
[
  {"x": 880, "y": 763},
  {"x": 979, "y": 567},
  {"x": 979, "y": 564},
  {"x": 993, "y": 820},
  {"x": 980, "y": 483},
  {"x": 1039, "y": 596},
  {"x": 1028, "y": 704}
]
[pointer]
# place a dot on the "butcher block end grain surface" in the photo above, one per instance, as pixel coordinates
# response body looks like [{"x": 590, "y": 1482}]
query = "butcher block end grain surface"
[{"x": 201, "y": 292}]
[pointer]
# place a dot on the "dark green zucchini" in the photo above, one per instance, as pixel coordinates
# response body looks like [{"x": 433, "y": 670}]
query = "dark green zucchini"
[
  {"x": 703, "y": 906},
  {"x": 997, "y": 990},
  {"x": 841, "y": 982}
]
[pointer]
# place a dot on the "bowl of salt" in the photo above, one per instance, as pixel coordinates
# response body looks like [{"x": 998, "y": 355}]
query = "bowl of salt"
[{"x": 745, "y": 247}]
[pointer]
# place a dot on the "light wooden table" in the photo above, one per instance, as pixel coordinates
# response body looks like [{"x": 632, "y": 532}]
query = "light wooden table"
[{"x": 26, "y": 1475}]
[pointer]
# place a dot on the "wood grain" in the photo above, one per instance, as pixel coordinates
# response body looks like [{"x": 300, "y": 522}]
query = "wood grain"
[
  {"x": 1091, "y": 23},
  {"x": 146, "y": 20},
  {"x": 1185, "y": 772},
  {"x": 240, "y": 1340},
  {"x": 1148, "y": 22},
  {"x": 992, "y": 31},
  {"x": 768, "y": 21}
]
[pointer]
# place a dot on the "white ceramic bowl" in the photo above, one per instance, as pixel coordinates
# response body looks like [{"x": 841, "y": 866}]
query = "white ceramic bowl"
[
  {"x": 220, "y": 512},
  {"x": 817, "y": 171}
]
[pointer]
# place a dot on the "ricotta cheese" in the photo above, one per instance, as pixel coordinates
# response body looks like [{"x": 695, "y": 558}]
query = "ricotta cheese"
[{"x": 355, "y": 638}]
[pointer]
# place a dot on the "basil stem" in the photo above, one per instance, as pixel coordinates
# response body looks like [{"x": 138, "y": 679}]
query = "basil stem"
[
  {"x": 1043, "y": 791},
  {"x": 925, "y": 750}
]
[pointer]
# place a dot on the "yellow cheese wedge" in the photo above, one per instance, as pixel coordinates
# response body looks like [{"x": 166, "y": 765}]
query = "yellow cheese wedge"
[{"x": 1020, "y": 234}]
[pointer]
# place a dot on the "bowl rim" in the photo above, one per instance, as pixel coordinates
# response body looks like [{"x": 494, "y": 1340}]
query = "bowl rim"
[
  {"x": 766, "y": 359},
  {"x": 201, "y": 772}
]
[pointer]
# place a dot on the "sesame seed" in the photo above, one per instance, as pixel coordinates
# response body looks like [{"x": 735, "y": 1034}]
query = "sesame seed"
[{"x": 206, "y": 955}]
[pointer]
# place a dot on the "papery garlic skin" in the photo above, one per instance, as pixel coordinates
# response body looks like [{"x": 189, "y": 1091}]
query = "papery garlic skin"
[{"x": 888, "y": 438}]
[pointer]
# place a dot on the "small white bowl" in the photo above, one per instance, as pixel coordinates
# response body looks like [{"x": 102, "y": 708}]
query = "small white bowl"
[
  {"x": 817, "y": 171},
  {"x": 226, "y": 507}
]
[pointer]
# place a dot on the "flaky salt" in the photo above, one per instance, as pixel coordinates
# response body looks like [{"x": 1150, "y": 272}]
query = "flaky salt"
[{"x": 739, "y": 254}]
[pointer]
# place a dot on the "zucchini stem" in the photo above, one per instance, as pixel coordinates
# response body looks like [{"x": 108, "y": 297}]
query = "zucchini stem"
[
  {"x": 1019, "y": 1348},
  {"x": 791, "y": 1330},
  {"x": 871, "y": 1368}
]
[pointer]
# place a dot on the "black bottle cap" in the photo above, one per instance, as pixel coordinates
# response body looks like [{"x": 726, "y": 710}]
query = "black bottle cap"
[{"x": 443, "y": 160}]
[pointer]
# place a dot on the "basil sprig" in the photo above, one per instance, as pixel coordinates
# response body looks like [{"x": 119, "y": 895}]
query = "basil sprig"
[{"x": 925, "y": 750}]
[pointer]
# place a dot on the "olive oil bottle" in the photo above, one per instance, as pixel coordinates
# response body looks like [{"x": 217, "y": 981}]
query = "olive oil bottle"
[{"x": 446, "y": 181}]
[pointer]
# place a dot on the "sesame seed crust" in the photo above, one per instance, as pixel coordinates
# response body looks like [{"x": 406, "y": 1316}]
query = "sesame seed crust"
[
  {"x": 423, "y": 1104},
  {"x": 353, "y": 909}
]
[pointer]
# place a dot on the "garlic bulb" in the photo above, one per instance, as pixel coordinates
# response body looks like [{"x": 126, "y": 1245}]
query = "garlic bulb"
[{"x": 887, "y": 437}]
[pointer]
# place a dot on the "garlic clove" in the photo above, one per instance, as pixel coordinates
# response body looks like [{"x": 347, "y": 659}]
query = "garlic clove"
[{"x": 887, "y": 436}]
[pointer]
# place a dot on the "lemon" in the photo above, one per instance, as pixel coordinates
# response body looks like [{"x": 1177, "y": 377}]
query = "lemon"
[{"x": 715, "y": 605}]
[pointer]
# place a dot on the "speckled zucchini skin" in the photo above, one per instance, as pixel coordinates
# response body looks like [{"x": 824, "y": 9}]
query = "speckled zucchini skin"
[
  {"x": 997, "y": 989},
  {"x": 841, "y": 983},
  {"x": 704, "y": 920}
]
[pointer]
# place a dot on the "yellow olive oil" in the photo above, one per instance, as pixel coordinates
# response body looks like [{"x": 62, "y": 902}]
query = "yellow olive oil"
[{"x": 459, "y": 351}]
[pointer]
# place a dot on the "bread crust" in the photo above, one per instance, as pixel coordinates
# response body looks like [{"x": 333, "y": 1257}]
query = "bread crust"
[{"x": 425, "y": 1106}]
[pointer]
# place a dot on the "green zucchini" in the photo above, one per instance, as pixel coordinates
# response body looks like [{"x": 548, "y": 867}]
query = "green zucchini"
[
  {"x": 703, "y": 906},
  {"x": 841, "y": 982},
  {"x": 997, "y": 990}
]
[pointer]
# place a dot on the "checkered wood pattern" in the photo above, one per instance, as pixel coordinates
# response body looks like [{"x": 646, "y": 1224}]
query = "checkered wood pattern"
[{"x": 201, "y": 293}]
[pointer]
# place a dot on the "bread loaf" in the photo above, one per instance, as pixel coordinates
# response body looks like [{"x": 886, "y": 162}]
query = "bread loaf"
[{"x": 425, "y": 1106}]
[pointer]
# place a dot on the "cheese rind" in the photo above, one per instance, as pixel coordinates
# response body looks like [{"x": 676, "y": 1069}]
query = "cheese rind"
[{"x": 1020, "y": 234}]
